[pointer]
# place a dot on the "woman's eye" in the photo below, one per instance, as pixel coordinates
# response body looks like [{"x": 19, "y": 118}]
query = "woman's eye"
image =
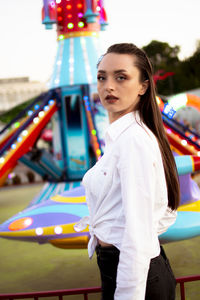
[
  {"x": 100, "y": 78},
  {"x": 121, "y": 78}
]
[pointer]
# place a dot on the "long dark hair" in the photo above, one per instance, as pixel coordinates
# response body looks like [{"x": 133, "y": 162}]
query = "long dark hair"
[{"x": 151, "y": 116}]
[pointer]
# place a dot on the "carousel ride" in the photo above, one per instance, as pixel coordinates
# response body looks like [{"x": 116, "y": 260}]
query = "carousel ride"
[{"x": 78, "y": 125}]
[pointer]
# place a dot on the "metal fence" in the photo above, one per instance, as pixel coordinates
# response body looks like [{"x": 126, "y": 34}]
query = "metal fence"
[
  {"x": 59, "y": 294},
  {"x": 183, "y": 280},
  {"x": 85, "y": 291}
]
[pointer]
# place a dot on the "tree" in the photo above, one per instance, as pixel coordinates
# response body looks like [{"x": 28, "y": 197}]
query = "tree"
[
  {"x": 190, "y": 67},
  {"x": 162, "y": 54},
  {"x": 165, "y": 58}
]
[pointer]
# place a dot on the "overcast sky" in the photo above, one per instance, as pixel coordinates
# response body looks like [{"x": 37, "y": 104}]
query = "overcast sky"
[{"x": 27, "y": 49}]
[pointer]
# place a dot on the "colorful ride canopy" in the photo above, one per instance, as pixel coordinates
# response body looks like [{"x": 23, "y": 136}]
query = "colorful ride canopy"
[{"x": 184, "y": 99}]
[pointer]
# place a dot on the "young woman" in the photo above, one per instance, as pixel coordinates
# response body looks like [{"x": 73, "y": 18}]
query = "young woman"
[{"x": 132, "y": 192}]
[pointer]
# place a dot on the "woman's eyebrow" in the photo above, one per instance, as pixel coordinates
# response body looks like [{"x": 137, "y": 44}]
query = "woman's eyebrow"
[
  {"x": 120, "y": 71},
  {"x": 115, "y": 72}
]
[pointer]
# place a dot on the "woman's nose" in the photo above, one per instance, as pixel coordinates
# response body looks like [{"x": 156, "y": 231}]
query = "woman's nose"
[
  {"x": 109, "y": 86},
  {"x": 109, "y": 89}
]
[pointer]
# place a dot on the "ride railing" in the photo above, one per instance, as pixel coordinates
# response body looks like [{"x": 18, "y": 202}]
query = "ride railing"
[
  {"x": 86, "y": 291},
  {"x": 183, "y": 280},
  {"x": 59, "y": 294}
]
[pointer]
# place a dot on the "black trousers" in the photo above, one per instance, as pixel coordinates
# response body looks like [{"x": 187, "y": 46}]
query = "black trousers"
[{"x": 161, "y": 282}]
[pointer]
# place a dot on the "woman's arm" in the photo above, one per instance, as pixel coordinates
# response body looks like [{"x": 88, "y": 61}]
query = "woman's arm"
[{"x": 137, "y": 173}]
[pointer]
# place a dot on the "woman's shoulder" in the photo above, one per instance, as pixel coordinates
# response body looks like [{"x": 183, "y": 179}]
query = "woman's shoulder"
[
  {"x": 138, "y": 132},
  {"x": 139, "y": 138}
]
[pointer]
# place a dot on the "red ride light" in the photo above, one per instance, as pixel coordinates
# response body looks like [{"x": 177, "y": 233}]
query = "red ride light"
[
  {"x": 20, "y": 224},
  {"x": 79, "y": 5},
  {"x": 68, "y": 6}
]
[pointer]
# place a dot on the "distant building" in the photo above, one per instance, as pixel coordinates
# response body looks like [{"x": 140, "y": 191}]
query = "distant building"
[{"x": 14, "y": 91}]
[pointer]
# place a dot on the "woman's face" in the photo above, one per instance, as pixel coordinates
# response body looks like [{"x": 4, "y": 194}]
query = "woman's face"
[{"x": 119, "y": 85}]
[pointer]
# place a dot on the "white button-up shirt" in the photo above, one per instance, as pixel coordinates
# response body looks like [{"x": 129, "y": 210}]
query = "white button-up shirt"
[{"x": 127, "y": 199}]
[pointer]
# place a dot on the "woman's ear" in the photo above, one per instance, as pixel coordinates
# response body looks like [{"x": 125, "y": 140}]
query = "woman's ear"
[{"x": 144, "y": 87}]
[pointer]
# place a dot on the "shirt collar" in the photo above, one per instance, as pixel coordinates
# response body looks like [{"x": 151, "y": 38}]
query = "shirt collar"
[{"x": 118, "y": 126}]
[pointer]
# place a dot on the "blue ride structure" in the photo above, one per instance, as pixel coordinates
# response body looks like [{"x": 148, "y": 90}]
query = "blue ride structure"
[
  {"x": 77, "y": 142},
  {"x": 78, "y": 123},
  {"x": 78, "y": 24},
  {"x": 73, "y": 88}
]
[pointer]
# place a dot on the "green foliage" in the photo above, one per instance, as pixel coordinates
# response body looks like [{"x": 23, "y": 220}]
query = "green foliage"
[
  {"x": 186, "y": 72},
  {"x": 11, "y": 114},
  {"x": 161, "y": 54},
  {"x": 190, "y": 67}
]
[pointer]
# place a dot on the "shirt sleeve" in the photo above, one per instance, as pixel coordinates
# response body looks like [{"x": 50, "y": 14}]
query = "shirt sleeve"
[
  {"x": 168, "y": 219},
  {"x": 136, "y": 169}
]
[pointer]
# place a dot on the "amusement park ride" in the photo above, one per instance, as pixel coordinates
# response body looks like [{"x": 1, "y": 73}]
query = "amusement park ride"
[{"x": 78, "y": 123}]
